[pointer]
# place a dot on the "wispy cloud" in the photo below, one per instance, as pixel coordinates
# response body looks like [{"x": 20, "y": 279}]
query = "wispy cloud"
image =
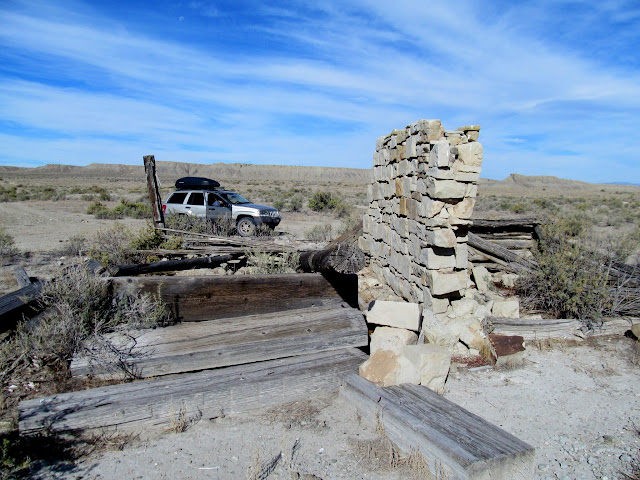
[{"x": 263, "y": 83}]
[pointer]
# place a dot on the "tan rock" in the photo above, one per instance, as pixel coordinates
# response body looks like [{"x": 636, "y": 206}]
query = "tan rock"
[
  {"x": 395, "y": 314},
  {"x": 435, "y": 259},
  {"x": 440, "y": 155},
  {"x": 432, "y": 363},
  {"x": 470, "y": 154},
  {"x": 445, "y": 189},
  {"x": 441, "y": 283},
  {"x": 384, "y": 368},
  {"x": 481, "y": 276},
  {"x": 441, "y": 237},
  {"x": 391, "y": 339},
  {"x": 506, "y": 307}
]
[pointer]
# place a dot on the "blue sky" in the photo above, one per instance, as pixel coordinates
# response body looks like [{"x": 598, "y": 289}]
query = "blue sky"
[{"x": 555, "y": 85}]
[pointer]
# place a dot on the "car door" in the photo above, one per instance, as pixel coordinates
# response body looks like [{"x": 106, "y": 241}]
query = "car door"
[
  {"x": 217, "y": 207},
  {"x": 195, "y": 205}
]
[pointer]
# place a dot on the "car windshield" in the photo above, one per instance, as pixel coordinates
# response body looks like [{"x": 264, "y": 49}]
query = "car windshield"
[{"x": 235, "y": 198}]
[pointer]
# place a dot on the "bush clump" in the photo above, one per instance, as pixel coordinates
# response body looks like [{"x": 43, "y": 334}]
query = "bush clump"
[
  {"x": 83, "y": 317},
  {"x": 571, "y": 281},
  {"x": 124, "y": 209},
  {"x": 324, "y": 200},
  {"x": 7, "y": 244}
]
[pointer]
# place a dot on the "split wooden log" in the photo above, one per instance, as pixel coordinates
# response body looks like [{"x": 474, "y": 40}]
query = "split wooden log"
[
  {"x": 197, "y": 298},
  {"x": 152, "y": 405},
  {"x": 341, "y": 258},
  {"x": 545, "y": 328},
  {"x": 174, "y": 265},
  {"x": 492, "y": 250},
  {"x": 455, "y": 443},
  {"x": 19, "y": 305},
  {"x": 195, "y": 346}
]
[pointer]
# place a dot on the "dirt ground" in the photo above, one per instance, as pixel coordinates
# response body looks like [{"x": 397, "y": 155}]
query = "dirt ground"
[{"x": 578, "y": 405}]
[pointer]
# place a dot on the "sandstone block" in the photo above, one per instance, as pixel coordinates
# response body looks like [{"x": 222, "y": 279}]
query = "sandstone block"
[
  {"x": 455, "y": 137},
  {"x": 472, "y": 190},
  {"x": 432, "y": 129},
  {"x": 435, "y": 259},
  {"x": 438, "y": 332},
  {"x": 463, "y": 209},
  {"x": 481, "y": 276},
  {"x": 434, "y": 304},
  {"x": 432, "y": 362},
  {"x": 467, "y": 128},
  {"x": 441, "y": 283},
  {"x": 441, "y": 237},
  {"x": 395, "y": 314},
  {"x": 470, "y": 154},
  {"x": 429, "y": 208},
  {"x": 384, "y": 368},
  {"x": 445, "y": 189},
  {"x": 474, "y": 338},
  {"x": 506, "y": 307},
  {"x": 462, "y": 255},
  {"x": 463, "y": 307},
  {"x": 440, "y": 155},
  {"x": 391, "y": 339}
]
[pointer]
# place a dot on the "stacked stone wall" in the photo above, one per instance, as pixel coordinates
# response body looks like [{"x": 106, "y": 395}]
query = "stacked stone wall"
[{"x": 420, "y": 204}]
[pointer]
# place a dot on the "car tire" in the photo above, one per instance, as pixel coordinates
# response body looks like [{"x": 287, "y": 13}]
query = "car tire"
[{"x": 246, "y": 227}]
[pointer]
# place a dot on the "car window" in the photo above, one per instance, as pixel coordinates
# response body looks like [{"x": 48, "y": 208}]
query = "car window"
[
  {"x": 211, "y": 198},
  {"x": 235, "y": 198},
  {"x": 196, "y": 198},
  {"x": 177, "y": 197}
]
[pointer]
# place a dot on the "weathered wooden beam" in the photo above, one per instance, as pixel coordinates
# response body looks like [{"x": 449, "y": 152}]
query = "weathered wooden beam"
[
  {"x": 545, "y": 328},
  {"x": 525, "y": 224},
  {"x": 195, "y": 346},
  {"x": 153, "y": 404},
  {"x": 197, "y": 298},
  {"x": 455, "y": 443},
  {"x": 340, "y": 258},
  {"x": 174, "y": 265},
  {"x": 18, "y": 305},
  {"x": 516, "y": 261},
  {"x": 154, "y": 192}
]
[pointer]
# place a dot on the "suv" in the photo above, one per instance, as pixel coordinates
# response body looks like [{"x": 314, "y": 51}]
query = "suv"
[{"x": 203, "y": 197}]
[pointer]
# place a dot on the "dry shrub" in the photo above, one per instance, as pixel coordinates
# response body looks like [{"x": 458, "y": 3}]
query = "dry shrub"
[
  {"x": 570, "y": 281},
  {"x": 7, "y": 244},
  {"x": 82, "y": 313},
  {"x": 320, "y": 233},
  {"x": 272, "y": 263}
]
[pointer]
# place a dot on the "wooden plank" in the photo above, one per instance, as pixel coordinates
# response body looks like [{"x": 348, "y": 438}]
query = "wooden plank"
[
  {"x": 452, "y": 440},
  {"x": 151, "y": 404},
  {"x": 19, "y": 304},
  {"x": 197, "y": 346},
  {"x": 197, "y": 298},
  {"x": 154, "y": 192},
  {"x": 494, "y": 251},
  {"x": 174, "y": 265},
  {"x": 544, "y": 328}
]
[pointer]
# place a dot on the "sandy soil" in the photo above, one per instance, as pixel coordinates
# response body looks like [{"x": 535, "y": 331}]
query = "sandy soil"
[{"x": 578, "y": 405}]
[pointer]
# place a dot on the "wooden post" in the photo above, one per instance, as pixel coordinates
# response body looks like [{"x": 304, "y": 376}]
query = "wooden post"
[{"x": 154, "y": 193}]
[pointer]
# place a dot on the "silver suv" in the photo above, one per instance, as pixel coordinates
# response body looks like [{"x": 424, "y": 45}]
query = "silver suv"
[{"x": 202, "y": 197}]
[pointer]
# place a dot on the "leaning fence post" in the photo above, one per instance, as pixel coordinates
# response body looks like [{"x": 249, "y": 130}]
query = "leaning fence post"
[{"x": 154, "y": 192}]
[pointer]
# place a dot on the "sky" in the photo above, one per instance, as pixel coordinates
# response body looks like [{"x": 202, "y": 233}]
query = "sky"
[{"x": 554, "y": 84}]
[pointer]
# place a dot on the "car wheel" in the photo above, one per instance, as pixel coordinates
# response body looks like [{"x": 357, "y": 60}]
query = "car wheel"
[{"x": 246, "y": 227}]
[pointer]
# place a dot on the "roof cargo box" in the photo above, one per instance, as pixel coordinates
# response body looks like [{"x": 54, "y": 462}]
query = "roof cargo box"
[{"x": 196, "y": 183}]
